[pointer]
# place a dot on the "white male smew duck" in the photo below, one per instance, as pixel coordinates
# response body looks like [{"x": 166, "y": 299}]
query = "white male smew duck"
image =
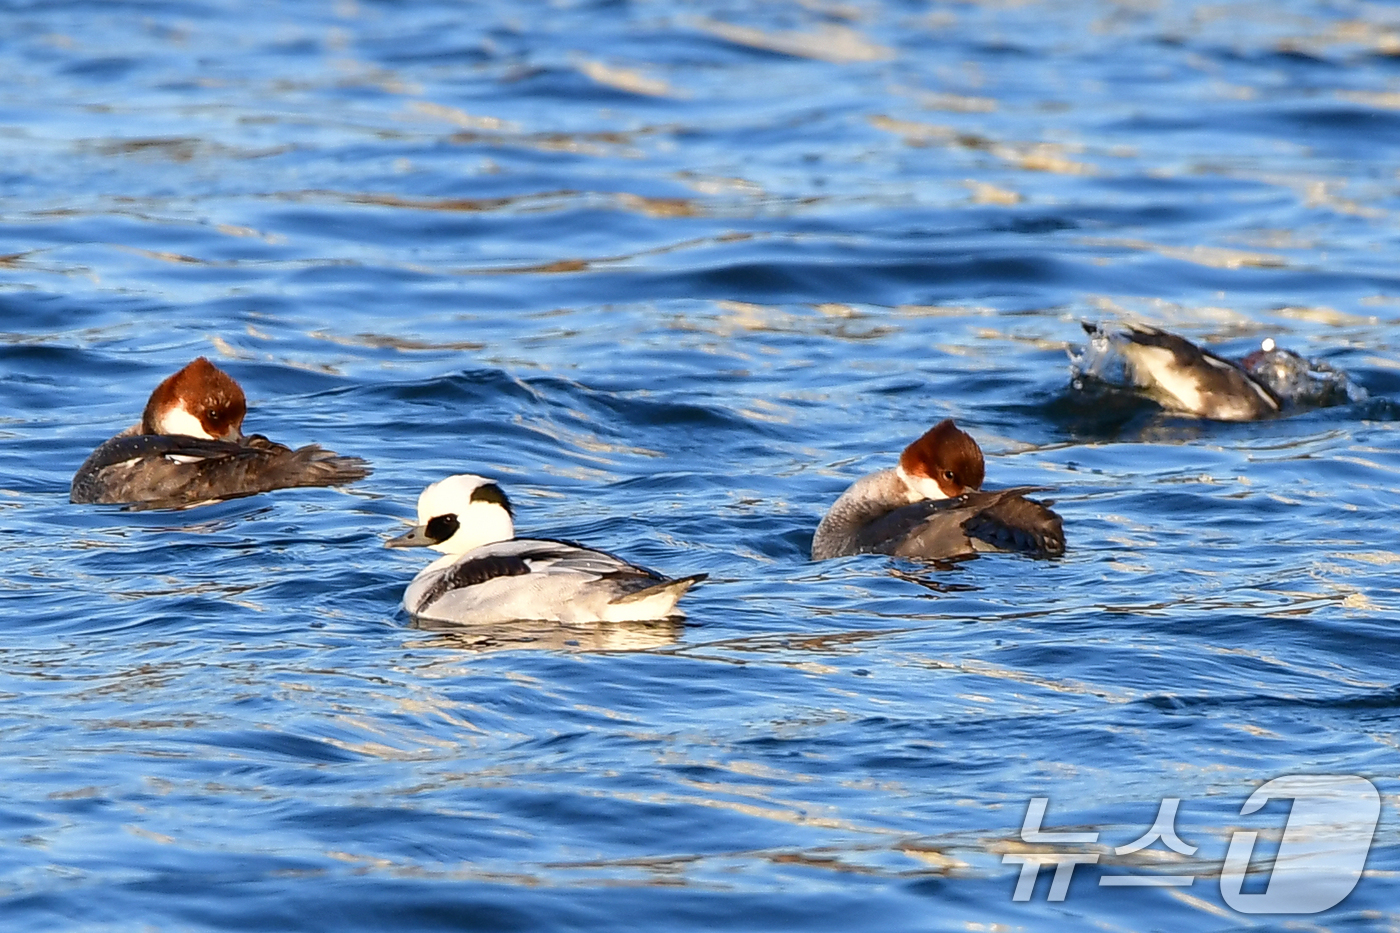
[{"x": 489, "y": 575}]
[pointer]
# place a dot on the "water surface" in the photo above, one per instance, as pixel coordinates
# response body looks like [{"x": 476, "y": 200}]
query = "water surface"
[{"x": 675, "y": 273}]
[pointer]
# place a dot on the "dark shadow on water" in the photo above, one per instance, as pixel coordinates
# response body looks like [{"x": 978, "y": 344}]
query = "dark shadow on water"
[
  {"x": 1387, "y": 698},
  {"x": 921, "y": 574},
  {"x": 1376, "y": 409},
  {"x": 1098, "y": 412}
]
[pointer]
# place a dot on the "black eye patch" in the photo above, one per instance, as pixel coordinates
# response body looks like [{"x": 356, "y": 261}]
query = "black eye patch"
[{"x": 442, "y": 527}]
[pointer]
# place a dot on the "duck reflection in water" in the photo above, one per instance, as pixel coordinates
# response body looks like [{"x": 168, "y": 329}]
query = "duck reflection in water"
[{"x": 603, "y": 637}]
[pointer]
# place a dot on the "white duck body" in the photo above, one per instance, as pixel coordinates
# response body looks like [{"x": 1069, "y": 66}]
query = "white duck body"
[{"x": 488, "y": 576}]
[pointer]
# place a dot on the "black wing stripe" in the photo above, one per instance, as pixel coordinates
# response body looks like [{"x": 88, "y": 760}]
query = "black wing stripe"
[{"x": 471, "y": 573}]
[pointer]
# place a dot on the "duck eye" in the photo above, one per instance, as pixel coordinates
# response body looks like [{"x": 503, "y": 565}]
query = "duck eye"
[
  {"x": 442, "y": 527},
  {"x": 948, "y": 475},
  {"x": 212, "y": 414}
]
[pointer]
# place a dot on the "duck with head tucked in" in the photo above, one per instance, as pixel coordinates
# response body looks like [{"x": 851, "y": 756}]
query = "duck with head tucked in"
[
  {"x": 930, "y": 506},
  {"x": 189, "y": 449},
  {"x": 488, "y": 575},
  {"x": 1185, "y": 378}
]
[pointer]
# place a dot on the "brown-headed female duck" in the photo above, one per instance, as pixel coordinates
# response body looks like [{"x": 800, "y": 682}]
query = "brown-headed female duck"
[
  {"x": 931, "y": 506},
  {"x": 189, "y": 448}
]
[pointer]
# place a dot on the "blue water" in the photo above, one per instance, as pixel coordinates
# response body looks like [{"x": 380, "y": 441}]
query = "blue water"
[{"x": 676, "y": 272}]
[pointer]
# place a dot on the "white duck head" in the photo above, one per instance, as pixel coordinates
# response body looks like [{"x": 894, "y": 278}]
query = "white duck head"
[{"x": 459, "y": 514}]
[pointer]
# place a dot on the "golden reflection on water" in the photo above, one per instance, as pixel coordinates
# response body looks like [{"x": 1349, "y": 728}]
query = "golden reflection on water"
[
  {"x": 586, "y": 265},
  {"x": 1216, "y": 257},
  {"x": 1376, "y": 37},
  {"x": 716, "y": 185},
  {"x": 177, "y": 148},
  {"x": 392, "y": 342},
  {"x": 953, "y": 311},
  {"x": 831, "y": 320},
  {"x": 1322, "y": 314},
  {"x": 166, "y": 256},
  {"x": 458, "y": 117},
  {"x": 1226, "y": 322},
  {"x": 953, "y": 103},
  {"x": 861, "y": 858},
  {"x": 630, "y": 80},
  {"x": 611, "y": 143},
  {"x": 1031, "y": 156},
  {"x": 829, "y": 43},
  {"x": 657, "y": 207},
  {"x": 986, "y": 193},
  {"x": 375, "y": 738},
  {"x": 535, "y": 200}
]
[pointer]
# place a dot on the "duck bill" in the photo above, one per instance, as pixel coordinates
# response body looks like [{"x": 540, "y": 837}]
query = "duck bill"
[{"x": 417, "y": 537}]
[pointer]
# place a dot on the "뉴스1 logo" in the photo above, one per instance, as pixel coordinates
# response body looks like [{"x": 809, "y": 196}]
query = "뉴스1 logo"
[{"x": 1320, "y": 856}]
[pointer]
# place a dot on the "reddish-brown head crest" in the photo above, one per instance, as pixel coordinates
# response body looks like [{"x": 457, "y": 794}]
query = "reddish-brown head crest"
[
  {"x": 948, "y": 457},
  {"x": 200, "y": 400}
]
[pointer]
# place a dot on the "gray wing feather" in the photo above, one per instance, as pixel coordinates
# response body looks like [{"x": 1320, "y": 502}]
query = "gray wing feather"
[
  {"x": 567, "y": 557},
  {"x": 943, "y": 529}
]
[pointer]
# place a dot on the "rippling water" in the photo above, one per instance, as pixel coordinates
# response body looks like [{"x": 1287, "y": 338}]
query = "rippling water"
[{"x": 676, "y": 272}]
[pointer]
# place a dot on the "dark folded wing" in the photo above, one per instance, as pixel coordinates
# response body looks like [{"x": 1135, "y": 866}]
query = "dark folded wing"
[
  {"x": 947, "y": 528},
  {"x": 885, "y": 534},
  {"x": 169, "y": 471},
  {"x": 893, "y": 531},
  {"x": 1015, "y": 523}
]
